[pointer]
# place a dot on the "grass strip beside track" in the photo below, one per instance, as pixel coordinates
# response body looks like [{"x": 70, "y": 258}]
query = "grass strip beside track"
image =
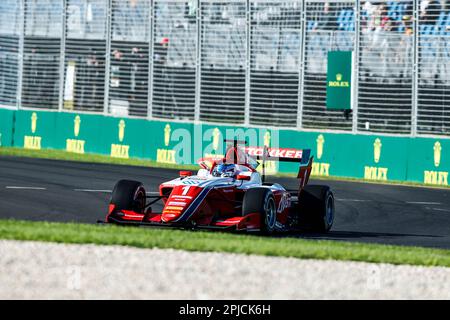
[
  {"x": 220, "y": 242},
  {"x": 88, "y": 157},
  {"x": 96, "y": 158}
]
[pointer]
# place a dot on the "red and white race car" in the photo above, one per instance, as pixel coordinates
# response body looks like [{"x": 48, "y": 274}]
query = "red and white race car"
[{"x": 229, "y": 194}]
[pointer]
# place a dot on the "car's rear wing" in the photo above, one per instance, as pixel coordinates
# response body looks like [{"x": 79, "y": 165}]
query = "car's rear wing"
[
  {"x": 301, "y": 156},
  {"x": 279, "y": 154}
]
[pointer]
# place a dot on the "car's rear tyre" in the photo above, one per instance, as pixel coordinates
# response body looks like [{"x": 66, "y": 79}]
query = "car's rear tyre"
[
  {"x": 316, "y": 207},
  {"x": 129, "y": 195},
  {"x": 262, "y": 201}
]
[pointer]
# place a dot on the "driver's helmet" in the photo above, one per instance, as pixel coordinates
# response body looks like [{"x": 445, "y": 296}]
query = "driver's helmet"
[{"x": 224, "y": 170}]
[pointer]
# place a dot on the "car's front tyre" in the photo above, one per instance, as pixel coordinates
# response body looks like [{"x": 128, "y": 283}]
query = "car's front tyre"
[{"x": 129, "y": 195}]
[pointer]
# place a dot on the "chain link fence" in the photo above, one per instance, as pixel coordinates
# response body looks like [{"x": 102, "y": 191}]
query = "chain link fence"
[
  {"x": 330, "y": 26},
  {"x": 11, "y": 28},
  {"x": 244, "y": 62},
  {"x": 433, "y": 68},
  {"x": 174, "y": 59},
  {"x": 275, "y": 44},
  {"x": 386, "y": 67}
]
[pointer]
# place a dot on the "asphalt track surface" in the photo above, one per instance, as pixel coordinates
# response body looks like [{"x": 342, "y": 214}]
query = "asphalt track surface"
[{"x": 51, "y": 190}]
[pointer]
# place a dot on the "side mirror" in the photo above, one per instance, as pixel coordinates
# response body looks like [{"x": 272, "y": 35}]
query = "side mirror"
[
  {"x": 243, "y": 177},
  {"x": 185, "y": 173}
]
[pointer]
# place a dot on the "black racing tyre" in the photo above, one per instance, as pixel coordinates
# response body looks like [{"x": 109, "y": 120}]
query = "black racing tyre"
[
  {"x": 261, "y": 200},
  {"x": 129, "y": 195},
  {"x": 316, "y": 206}
]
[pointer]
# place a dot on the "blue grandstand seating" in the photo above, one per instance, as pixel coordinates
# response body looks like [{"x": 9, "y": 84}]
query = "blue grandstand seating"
[
  {"x": 346, "y": 20},
  {"x": 396, "y": 10}
]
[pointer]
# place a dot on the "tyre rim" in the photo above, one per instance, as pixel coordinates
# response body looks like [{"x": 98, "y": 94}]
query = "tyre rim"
[
  {"x": 140, "y": 198},
  {"x": 330, "y": 211},
  {"x": 270, "y": 214}
]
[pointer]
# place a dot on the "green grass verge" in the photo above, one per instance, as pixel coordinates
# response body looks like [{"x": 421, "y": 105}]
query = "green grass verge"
[
  {"x": 222, "y": 242},
  {"x": 95, "y": 158},
  {"x": 88, "y": 157}
]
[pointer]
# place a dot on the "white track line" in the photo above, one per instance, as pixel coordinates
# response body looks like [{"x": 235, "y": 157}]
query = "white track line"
[
  {"x": 25, "y": 188},
  {"x": 438, "y": 209},
  {"x": 423, "y": 202},
  {"x": 353, "y": 200},
  {"x": 91, "y": 190}
]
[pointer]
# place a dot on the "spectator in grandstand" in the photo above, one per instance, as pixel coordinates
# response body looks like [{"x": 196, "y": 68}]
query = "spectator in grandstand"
[
  {"x": 369, "y": 8},
  {"x": 160, "y": 73},
  {"x": 376, "y": 17},
  {"x": 407, "y": 24},
  {"x": 120, "y": 74},
  {"x": 138, "y": 81},
  {"x": 161, "y": 51},
  {"x": 430, "y": 11},
  {"x": 91, "y": 82},
  {"x": 327, "y": 20},
  {"x": 408, "y": 8},
  {"x": 32, "y": 77},
  {"x": 384, "y": 19}
]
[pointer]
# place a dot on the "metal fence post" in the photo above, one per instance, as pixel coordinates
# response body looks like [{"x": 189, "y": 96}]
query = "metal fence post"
[
  {"x": 107, "y": 58},
  {"x": 20, "y": 57},
  {"x": 150, "y": 61},
  {"x": 415, "y": 73},
  {"x": 247, "y": 64},
  {"x": 198, "y": 55},
  {"x": 355, "y": 72},
  {"x": 301, "y": 63},
  {"x": 62, "y": 55}
]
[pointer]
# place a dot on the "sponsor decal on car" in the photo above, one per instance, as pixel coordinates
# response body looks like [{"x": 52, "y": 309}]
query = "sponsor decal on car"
[
  {"x": 285, "y": 202},
  {"x": 275, "y": 152}
]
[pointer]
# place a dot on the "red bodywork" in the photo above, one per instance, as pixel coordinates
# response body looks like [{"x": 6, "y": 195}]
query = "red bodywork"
[{"x": 194, "y": 201}]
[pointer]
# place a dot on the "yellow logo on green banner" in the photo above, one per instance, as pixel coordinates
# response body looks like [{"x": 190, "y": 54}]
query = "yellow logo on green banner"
[
  {"x": 166, "y": 155},
  {"x": 75, "y": 145},
  {"x": 32, "y": 142},
  {"x": 120, "y": 150}
]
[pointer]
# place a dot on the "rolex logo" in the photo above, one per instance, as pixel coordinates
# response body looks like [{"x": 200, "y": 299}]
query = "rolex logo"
[
  {"x": 377, "y": 150},
  {"x": 216, "y": 136},
  {"x": 338, "y": 77},
  {"x": 121, "y": 130},
  {"x": 320, "y": 142},
  {"x": 76, "y": 126},
  {"x": 267, "y": 139},
  {"x": 437, "y": 153},
  {"x": 167, "y": 135},
  {"x": 34, "y": 119}
]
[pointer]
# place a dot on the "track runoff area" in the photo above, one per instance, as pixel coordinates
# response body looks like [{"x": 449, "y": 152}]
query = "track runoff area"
[{"x": 63, "y": 191}]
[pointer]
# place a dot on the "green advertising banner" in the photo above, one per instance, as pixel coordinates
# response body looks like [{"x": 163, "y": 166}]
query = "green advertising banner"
[
  {"x": 79, "y": 133},
  {"x": 429, "y": 161},
  {"x": 339, "y": 80},
  {"x": 35, "y": 129},
  {"x": 6, "y": 127},
  {"x": 370, "y": 157},
  {"x": 122, "y": 137}
]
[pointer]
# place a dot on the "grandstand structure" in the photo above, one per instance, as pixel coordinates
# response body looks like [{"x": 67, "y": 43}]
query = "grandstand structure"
[{"x": 240, "y": 62}]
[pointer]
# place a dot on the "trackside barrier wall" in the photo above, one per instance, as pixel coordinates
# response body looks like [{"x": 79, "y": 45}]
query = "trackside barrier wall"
[
  {"x": 231, "y": 61},
  {"x": 6, "y": 127},
  {"x": 373, "y": 157}
]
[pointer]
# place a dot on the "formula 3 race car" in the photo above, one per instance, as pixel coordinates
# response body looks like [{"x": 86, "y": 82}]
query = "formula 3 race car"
[{"x": 230, "y": 194}]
